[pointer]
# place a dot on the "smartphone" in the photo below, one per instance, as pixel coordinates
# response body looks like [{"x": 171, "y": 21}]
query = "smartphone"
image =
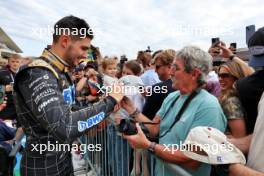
[
  {"x": 2, "y": 93},
  {"x": 215, "y": 41},
  {"x": 233, "y": 45},
  {"x": 250, "y": 30}
]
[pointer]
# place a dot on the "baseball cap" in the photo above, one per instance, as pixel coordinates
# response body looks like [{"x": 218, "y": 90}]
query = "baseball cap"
[
  {"x": 79, "y": 67},
  {"x": 90, "y": 65},
  {"x": 87, "y": 63},
  {"x": 209, "y": 145},
  {"x": 132, "y": 84},
  {"x": 256, "y": 48}
]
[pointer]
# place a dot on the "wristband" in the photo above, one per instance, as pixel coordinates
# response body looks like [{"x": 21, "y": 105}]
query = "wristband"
[{"x": 152, "y": 147}]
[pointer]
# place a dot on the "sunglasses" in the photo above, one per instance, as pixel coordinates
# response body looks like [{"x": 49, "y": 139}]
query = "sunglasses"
[{"x": 224, "y": 75}]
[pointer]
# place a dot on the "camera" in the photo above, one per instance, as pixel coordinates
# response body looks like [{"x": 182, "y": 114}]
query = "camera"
[
  {"x": 123, "y": 59},
  {"x": 128, "y": 127},
  {"x": 148, "y": 49}
]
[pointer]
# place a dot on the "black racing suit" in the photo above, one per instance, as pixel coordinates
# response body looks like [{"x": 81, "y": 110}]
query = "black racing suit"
[{"x": 43, "y": 100}]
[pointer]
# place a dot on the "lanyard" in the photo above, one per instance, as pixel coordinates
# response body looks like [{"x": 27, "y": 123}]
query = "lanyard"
[
  {"x": 12, "y": 77},
  {"x": 183, "y": 108}
]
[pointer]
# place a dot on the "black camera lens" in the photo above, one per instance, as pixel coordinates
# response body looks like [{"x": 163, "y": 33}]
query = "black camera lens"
[{"x": 127, "y": 127}]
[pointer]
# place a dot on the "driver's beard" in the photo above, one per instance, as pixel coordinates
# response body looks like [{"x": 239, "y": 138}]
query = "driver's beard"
[{"x": 69, "y": 56}]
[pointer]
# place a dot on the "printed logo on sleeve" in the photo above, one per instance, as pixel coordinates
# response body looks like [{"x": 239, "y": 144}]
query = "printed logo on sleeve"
[{"x": 83, "y": 125}]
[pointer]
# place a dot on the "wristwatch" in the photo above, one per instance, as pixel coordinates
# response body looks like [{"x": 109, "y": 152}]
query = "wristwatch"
[
  {"x": 151, "y": 147},
  {"x": 134, "y": 114}
]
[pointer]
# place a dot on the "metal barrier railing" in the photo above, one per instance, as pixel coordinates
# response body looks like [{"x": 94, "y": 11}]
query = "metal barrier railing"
[{"x": 116, "y": 158}]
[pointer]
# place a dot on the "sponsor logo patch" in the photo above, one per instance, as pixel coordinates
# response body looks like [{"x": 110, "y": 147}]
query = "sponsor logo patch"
[{"x": 83, "y": 125}]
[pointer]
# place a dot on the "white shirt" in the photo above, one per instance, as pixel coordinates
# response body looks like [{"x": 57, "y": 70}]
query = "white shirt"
[{"x": 255, "y": 156}]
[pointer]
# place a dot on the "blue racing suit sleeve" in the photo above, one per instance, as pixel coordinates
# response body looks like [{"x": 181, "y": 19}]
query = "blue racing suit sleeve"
[{"x": 43, "y": 96}]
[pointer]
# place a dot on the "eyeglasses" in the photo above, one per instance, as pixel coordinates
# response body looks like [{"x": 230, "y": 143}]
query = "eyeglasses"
[{"x": 224, "y": 75}]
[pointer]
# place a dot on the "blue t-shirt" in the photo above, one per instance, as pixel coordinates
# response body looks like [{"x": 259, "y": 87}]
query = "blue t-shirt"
[
  {"x": 150, "y": 77},
  {"x": 203, "y": 110}
]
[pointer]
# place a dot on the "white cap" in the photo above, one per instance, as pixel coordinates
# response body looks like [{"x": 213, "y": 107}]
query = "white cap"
[
  {"x": 213, "y": 147},
  {"x": 132, "y": 85}
]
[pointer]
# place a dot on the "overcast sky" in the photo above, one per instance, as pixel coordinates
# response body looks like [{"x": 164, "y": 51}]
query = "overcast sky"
[{"x": 125, "y": 27}]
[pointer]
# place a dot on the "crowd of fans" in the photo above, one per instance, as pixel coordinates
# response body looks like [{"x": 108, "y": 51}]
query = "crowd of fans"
[{"x": 181, "y": 90}]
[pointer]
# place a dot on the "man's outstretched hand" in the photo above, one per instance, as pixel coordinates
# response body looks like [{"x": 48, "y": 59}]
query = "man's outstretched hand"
[
  {"x": 117, "y": 92},
  {"x": 128, "y": 105}
]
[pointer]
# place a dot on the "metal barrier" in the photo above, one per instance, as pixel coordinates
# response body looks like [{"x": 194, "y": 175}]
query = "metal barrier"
[{"x": 116, "y": 158}]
